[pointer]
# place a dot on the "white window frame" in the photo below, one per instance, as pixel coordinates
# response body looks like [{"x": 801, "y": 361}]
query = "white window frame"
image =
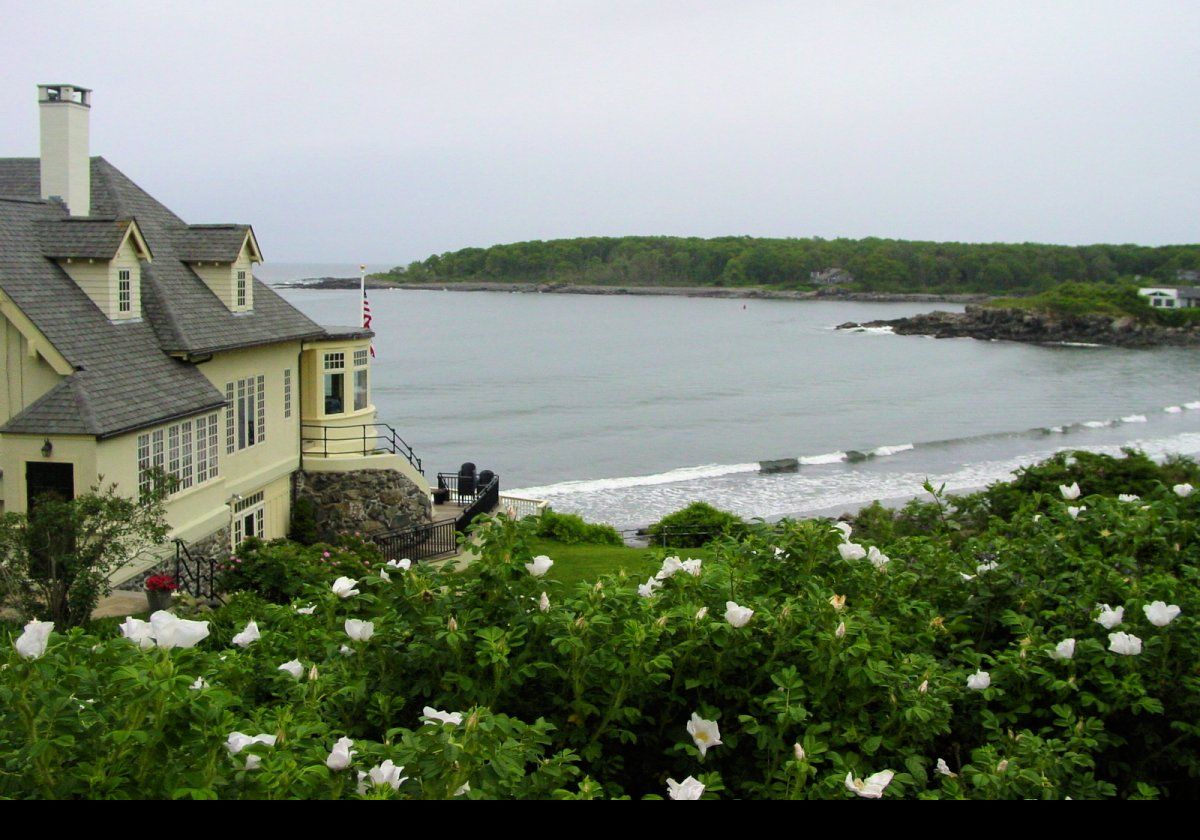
[
  {"x": 240, "y": 285},
  {"x": 246, "y": 414},
  {"x": 287, "y": 392},
  {"x": 333, "y": 364},
  {"x": 187, "y": 450},
  {"x": 253, "y": 507},
  {"x": 124, "y": 291}
]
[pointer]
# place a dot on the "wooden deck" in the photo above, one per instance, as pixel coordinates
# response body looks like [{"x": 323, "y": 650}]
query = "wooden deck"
[{"x": 440, "y": 513}]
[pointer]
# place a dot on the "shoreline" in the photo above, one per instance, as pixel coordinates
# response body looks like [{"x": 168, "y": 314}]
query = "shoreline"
[
  {"x": 721, "y": 293},
  {"x": 1036, "y": 327}
]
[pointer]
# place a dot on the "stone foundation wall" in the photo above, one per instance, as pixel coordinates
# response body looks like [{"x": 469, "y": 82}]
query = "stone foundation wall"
[{"x": 367, "y": 501}]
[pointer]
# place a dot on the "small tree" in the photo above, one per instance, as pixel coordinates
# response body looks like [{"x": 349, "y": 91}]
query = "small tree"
[{"x": 56, "y": 561}]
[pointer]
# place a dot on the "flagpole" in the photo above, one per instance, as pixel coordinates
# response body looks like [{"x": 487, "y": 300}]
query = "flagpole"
[{"x": 364, "y": 307}]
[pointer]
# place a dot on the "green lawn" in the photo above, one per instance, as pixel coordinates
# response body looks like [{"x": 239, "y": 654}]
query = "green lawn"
[{"x": 585, "y": 563}]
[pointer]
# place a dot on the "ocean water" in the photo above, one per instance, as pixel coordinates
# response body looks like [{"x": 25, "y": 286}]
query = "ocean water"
[{"x": 626, "y": 408}]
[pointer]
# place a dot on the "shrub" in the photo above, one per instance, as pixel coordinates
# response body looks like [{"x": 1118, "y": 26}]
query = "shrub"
[
  {"x": 55, "y": 562},
  {"x": 303, "y": 527},
  {"x": 697, "y": 524},
  {"x": 845, "y": 667},
  {"x": 572, "y": 529}
]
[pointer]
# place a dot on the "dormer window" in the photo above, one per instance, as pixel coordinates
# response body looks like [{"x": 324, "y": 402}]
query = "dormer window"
[
  {"x": 104, "y": 257},
  {"x": 223, "y": 256}
]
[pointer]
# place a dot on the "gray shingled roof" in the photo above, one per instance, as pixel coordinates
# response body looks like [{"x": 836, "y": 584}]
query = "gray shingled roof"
[
  {"x": 86, "y": 238},
  {"x": 211, "y": 243},
  {"x": 126, "y": 376}
]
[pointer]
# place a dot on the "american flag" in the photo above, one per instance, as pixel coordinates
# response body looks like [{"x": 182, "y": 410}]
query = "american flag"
[{"x": 366, "y": 308}]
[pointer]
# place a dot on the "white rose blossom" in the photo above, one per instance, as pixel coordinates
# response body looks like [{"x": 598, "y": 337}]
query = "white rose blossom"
[
  {"x": 1069, "y": 492},
  {"x": 544, "y": 603},
  {"x": 1182, "y": 490},
  {"x": 403, "y": 565},
  {"x": 248, "y": 635},
  {"x": 979, "y": 680},
  {"x": 878, "y": 559},
  {"x": 670, "y": 565},
  {"x": 139, "y": 632},
  {"x": 872, "y": 787},
  {"x": 172, "y": 632},
  {"x": 737, "y": 616},
  {"x": 382, "y": 774},
  {"x": 540, "y": 565},
  {"x": 1074, "y": 512},
  {"x": 852, "y": 551},
  {"x": 1064, "y": 650},
  {"x": 689, "y": 788},
  {"x": 32, "y": 642},
  {"x": 1159, "y": 614},
  {"x": 293, "y": 667},
  {"x": 944, "y": 769},
  {"x": 238, "y": 741},
  {"x": 343, "y": 587},
  {"x": 340, "y": 757},
  {"x": 648, "y": 588},
  {"x": 1124, "y": 644},
  {"x": 705, "y": 733},
  {"x": 1110, "y": 618},
  {"x": 432, "y": 715},
  {"x": 358, "y": 630}
]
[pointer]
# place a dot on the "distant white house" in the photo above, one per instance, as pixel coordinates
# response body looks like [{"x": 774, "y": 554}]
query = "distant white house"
[{"x": 1172, "y": 297}]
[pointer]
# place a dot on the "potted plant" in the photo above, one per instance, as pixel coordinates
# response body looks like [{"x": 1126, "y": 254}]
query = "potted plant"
[{"x": 159, "y": 591}]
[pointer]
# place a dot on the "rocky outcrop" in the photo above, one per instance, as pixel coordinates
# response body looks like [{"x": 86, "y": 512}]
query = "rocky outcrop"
[
  {"x": 367, "y": 501},
  {"x": 780, "y": 465},
  {"x": 998, "y": 324}
]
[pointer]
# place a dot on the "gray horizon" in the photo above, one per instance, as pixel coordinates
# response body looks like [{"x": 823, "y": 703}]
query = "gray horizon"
[{"x": 384, "y": 133}]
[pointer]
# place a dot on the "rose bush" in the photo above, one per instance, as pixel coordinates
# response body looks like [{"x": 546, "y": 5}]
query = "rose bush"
[{"x": 840, "y": 678}]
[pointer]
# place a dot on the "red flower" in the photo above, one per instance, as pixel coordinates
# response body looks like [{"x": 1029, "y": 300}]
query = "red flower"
[{"x": 161, "y": 583}]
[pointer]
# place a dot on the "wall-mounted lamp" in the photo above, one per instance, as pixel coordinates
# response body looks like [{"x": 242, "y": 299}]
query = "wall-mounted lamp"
[
  {"x": 234, "y": 499},
  {"x": 47, "y": 448}
]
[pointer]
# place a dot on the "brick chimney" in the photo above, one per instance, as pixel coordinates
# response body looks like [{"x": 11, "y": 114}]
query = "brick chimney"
[{"x": 66, "y": 166}]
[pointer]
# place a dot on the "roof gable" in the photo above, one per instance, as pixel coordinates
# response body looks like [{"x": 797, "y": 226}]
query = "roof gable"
[{"x": 89, "y": 237}]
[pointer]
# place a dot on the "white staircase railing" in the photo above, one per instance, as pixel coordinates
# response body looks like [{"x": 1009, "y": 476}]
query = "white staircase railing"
[{"x": 519, "y": 507}]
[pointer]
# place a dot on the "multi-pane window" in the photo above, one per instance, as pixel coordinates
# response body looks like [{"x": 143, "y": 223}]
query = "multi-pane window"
[
  {"x": 287, "y": 392},
  {"x": 124, "y": 290},
  {"x": 246, "y": 416},
  {"x": 186, "y": 450},
  {"x": 248, "y": 518},
  {"x": 241, "y": 289},
  {"x": 361, "y": 391},
  {"x": 335, "y": 383}
]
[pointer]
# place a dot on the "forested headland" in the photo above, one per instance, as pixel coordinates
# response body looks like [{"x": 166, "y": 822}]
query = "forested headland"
[{"x": 869, "y": 265}]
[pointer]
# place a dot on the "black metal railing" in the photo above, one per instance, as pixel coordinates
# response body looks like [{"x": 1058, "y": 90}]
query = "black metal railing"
[
  {"x": 485, "y": 502},
  {"x": 359, "y": 439},
  {"x": 197, "y": 577},
  {"x": 421, "y": 542}
]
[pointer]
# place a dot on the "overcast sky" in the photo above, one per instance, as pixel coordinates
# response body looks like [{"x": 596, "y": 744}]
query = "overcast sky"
[{"x": 388, "y": 132}]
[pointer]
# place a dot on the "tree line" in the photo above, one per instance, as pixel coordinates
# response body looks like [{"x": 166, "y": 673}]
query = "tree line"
[{"x": 886, "y": 265}]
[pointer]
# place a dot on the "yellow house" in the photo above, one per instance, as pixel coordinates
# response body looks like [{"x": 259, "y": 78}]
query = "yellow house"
[{"x": 135, "y": 342}]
